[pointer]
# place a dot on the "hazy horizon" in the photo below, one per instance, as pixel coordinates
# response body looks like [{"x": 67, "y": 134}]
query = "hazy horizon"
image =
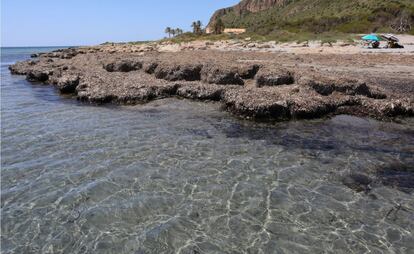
[{"x": 26, "y": 23}]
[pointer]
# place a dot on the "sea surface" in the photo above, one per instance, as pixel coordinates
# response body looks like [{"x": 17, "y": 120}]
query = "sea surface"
[{"x": 180, "y": 176}]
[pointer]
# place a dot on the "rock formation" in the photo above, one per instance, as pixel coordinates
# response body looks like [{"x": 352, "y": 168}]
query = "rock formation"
[
  {"x": 254, "y": 85},
  {"x": 272, "y": 16},
  {"x": 246, "y": 6}
]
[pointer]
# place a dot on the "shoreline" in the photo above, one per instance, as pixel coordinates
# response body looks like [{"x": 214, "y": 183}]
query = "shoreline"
[{"x": 258, "y": 84}]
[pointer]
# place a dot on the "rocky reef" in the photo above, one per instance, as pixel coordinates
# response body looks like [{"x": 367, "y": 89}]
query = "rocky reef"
[{"x": 257, "y": 85}]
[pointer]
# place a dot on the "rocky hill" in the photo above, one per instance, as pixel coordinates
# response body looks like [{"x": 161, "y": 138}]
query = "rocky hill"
[
  {"x": 351, "y": 16},
  {"x": 247, "y": 6}
]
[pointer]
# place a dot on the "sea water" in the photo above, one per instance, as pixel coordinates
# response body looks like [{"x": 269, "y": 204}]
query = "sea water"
[{"x": 180, "y": 176}]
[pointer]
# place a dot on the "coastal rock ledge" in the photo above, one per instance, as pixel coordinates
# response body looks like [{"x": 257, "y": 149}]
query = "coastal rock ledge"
[{"x": 259, "y": 85}]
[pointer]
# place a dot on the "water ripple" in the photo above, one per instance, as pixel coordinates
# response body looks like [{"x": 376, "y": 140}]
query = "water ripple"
[{"x": 175, "y": 176}]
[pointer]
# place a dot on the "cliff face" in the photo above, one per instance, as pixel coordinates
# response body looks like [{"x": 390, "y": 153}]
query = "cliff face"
[
  {"x": 246, "y": 6},
  {"x": 317, "y": 16},
  {"x": 257, "y": 5}
]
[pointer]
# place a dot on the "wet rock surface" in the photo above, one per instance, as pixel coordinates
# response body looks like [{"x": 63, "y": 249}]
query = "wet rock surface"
[
  {"x": 397, "y": 176},
  {"x": 358, "y": 182},
  {"x": 255, "y": 85},
  {"x": 68, "y": 83},
  {"x": 36, "y": 75},
  {"x": 394, "y": 175}
]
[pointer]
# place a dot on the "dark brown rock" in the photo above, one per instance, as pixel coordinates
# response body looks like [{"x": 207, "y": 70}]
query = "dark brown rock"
[
  {"x": 123, "y": 66},
  {"x": 68, "y": 83},
  {"x": 150, "y": 67},
  {"x": 397, "y": 175},
  {"x": 36, "y": 75},
  {"x": 263, "y": 104},
  {"x": 288, "y": 89},
  {"x": 222, "y": 76},
  {"x": 173, "y": 72},
  {"x": 248, "y": 71},
  {"x": 274, "y": 79},
  {"x": 342, "y": 85},
  {"x": 199, "y": 91},
  {"x": 357, "y": 182}
]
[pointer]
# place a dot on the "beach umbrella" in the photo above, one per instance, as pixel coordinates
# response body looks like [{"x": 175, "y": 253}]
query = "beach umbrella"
[
  {"x": 390, "y": 37},
  {"x": 371, "y": 37}
]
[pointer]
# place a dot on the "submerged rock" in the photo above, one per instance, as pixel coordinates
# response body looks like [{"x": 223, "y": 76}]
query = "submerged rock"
[
  {"x": 357, "y": 182},
  {"x": 397, "y": 176}
]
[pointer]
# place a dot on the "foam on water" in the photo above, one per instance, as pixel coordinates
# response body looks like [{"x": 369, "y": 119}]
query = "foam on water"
[{"x": 176, "y": 176}]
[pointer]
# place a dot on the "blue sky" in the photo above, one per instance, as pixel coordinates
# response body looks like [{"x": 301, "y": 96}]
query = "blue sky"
[{"x": 85, "y": 22}]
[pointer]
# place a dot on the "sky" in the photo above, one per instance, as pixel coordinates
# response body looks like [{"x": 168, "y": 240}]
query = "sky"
[{"x": 91, "y": 22}]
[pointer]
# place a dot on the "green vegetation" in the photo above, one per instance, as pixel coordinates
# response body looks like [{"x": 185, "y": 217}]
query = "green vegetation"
[
  {"x": 189, "y": 36},
  {"x": 327, "y": 16},
  {"x": 123, "y": 43},
  {"x": 197, "y": 27},
  {"x": 218, "y": 26},
  {"x": 304, "y": 20},
  {"x": 282, "y": 36}
]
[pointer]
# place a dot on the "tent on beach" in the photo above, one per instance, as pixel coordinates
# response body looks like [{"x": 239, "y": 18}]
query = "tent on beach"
[
  {"x": 393, "y": 41},
  {"x": 372, "y": 39}
]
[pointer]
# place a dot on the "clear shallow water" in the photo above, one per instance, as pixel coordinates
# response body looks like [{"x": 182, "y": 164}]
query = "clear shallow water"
[{"x": 176, "y": 176}]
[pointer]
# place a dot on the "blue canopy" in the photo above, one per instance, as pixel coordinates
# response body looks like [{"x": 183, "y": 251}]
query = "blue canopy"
[{"x": 371, "y": 37}]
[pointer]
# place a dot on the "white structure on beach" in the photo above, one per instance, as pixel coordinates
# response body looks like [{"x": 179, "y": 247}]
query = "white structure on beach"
[{"x": 228, "y": 30}]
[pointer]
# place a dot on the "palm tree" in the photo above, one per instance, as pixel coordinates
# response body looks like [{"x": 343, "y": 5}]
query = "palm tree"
[
  {"x": 177, "y": 31},
  {"x": 199, "y": 25},
  {"x": 218, "y": 26},
  {"x": 194, "y": 26},
  {"x": 168, "y": 31},
  {"x": 173, "y": 32}
]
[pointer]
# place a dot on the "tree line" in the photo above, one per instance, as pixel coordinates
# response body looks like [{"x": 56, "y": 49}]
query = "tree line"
[
  {"x": 174, "y": 32},
  {"x": 217, "y": 28},
  {"x": 197, "y": 27}
]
